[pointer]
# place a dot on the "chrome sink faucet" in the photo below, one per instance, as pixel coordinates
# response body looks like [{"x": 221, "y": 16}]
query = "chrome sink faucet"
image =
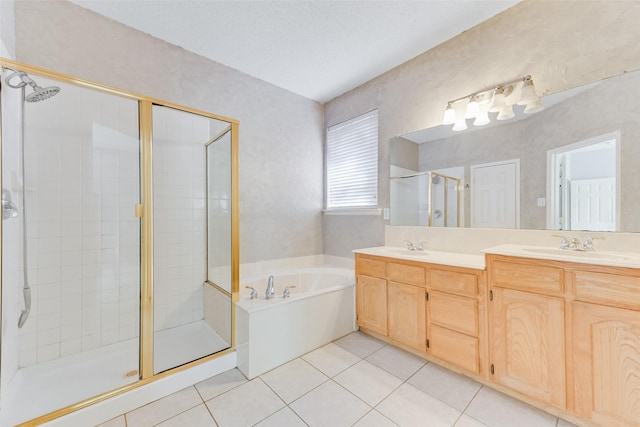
[
  {"x": 414, "y": 246},
  {"x": 270, "y": 292},
  {"x": 575, "y": 245}
]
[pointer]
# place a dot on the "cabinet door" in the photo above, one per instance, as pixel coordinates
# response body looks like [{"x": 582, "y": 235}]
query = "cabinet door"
[
  {"x": 527, "y": 344},
  {"x": 607, "y": 364},
  {"x": 407, "y": 320},
  {"x": 371, "y": 303}
]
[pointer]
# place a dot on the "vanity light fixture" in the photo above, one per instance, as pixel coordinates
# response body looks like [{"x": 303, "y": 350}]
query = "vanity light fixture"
[
  {"x": 460, "y": 108},
  {"x": 499, "y": 99},
  {"x": 449, "y": 115}
]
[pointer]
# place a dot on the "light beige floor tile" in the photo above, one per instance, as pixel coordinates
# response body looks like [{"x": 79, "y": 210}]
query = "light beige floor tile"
[
  {"x": 368, "y": 382},
  {"x": 375, "y": 419},
  {"x": 329, "y": 405},
  {"x": 360, "y": 344},
  {"x": 563, "y": 423},
  {"x": 217, "y": 385},
  {"x": 467, "y": 421},
  {"x": 194, "y": 417},
  {"x": 331, "y": 359},
  {"x": 400, "y": 363},
  {"x": 245, "y": 405},
  {"x": 115, "y": 422},
  {"x": 453, "y": 389},
  {"x": 410, "y": 407},
  {"x": 498, "y": 410},
  {"x": 163, "y": 409},
  {"x": 293, "y": 379},
  {"x": 283, "y": 418}
]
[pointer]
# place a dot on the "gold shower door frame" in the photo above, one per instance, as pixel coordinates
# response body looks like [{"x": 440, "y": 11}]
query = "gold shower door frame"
[{"x": 145, "y": 212}]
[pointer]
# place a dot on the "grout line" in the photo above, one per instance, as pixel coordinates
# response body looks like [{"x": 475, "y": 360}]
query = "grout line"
[
  {"x": 211, "y": 413},
  {"x": 467, "y": 407}
]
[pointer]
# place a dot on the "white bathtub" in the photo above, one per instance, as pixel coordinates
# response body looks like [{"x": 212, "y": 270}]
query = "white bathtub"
[{"x": 321, "y": 308}]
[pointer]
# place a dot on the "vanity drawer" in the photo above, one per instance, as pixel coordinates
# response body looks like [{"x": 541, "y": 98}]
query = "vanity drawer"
[
  {"x": 406, "y": 273},
  {"x": 607, "y": 288},
  {"x": 453, "y": 282},
  {"x": 370, "y": 267},
  {"x": 453, "y": 312},
  {"x": 456, "y": 348},
  {"x": 531, "y": 277}
]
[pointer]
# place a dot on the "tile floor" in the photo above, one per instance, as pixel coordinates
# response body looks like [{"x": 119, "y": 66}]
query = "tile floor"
[{"x": 354, "y": 381}]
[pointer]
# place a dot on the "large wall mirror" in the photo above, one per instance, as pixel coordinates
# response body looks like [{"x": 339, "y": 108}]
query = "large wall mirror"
[{"x": 572, "y": 166}]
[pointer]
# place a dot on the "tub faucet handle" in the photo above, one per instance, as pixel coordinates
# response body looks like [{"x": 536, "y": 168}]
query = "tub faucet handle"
[
  {"x": 287, "y": 293},
  {"x": 254, "y": 293}
]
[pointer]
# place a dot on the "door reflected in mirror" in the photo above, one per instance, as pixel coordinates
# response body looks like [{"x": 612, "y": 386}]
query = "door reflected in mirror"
[{"x": 582, "y": 185}]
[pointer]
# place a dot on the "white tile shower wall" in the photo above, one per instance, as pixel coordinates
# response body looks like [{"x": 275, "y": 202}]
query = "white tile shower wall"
[
  {"x": 82, "y": 157},
  {"x": 179, "y": 217}
]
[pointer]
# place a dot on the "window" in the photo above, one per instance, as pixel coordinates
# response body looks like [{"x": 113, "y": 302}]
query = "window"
[{"x": 352, "y": 163}]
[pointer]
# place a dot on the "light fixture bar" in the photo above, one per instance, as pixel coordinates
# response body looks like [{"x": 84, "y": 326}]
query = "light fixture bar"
[
  {"x": 483, "y": 92},
  {"x": 501, "y": 100}
]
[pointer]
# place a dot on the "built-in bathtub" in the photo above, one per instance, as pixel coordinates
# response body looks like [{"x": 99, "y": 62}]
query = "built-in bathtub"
[{"x": 320, "y": 309}]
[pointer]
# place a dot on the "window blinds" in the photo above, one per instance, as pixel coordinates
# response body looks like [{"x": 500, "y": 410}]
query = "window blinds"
[{"x": 352, "y": 163}]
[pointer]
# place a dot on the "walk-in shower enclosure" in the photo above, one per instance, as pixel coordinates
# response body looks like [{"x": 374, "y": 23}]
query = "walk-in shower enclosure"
[{"x": 119, "y": 241}]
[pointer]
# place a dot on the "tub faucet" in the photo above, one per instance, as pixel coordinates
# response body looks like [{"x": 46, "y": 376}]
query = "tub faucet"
[{"x": 270, "y": 289}]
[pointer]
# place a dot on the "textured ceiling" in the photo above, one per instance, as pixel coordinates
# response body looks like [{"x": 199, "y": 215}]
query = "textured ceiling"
[{"x": 318, "y": 49}]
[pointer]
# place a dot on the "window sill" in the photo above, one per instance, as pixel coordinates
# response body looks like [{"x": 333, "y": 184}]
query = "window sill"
[{"x": 354, "y": 211}]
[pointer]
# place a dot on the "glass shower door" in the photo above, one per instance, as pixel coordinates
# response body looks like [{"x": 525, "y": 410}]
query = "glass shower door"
[
  {"x": 71, "y": 254},
  {"x": 192, "y": 316}
]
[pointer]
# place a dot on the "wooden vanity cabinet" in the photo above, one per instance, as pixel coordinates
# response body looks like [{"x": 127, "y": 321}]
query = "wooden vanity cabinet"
[
  {"x": 434, "y": 309},
  {"x": 390, "y": 300},
  {"x": 606, "y": 345},
  {"x": 526, "y": 323}
]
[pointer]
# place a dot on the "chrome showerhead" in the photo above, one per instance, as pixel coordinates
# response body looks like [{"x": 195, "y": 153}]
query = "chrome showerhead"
[
  {"x": 38, "y": 94},
  {"x": 41, "y": 93}
]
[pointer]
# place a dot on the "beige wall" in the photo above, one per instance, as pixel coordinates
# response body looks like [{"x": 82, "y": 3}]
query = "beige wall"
[
  {"x": 404, "y": 154},
  {"x": 281, "y": 199},
  {"x": 7, "y": 33},
  {"x": 562, "y": 44}
]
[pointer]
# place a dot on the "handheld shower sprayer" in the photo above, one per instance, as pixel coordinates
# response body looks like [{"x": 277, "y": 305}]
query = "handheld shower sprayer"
[{"x": 19, "y": 80}]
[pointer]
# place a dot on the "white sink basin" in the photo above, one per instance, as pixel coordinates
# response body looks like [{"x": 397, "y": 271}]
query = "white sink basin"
[
  {"x": 405, "y": 252},
  {"x": 584, "y": 255}
]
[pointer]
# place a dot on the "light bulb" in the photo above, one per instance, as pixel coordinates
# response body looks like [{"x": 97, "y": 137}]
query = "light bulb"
[
  {"x": 528, "y": 93},
  {"x": 472, "y": 108},
  {"x": 461, "y": 124},
  {"x": 449, "y": 115},
  {"x": 497, "y": 101},
  {"x": 483, "y": 116},
  {"x": 506, "y": 112}
]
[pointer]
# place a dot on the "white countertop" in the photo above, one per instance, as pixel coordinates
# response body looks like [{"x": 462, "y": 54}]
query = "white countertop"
[
  {"x": 454, "y": 259},
  {"x": 616, "y": 259}
]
